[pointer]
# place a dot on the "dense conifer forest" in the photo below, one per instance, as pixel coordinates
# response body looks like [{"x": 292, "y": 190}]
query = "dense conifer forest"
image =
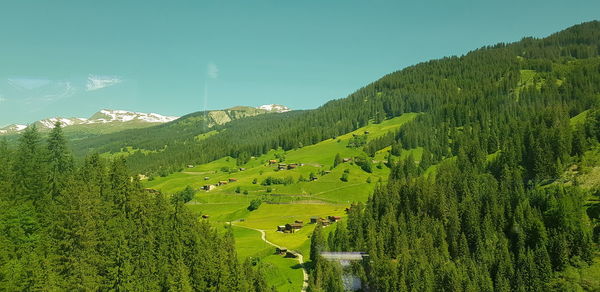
[
  {"x": 67, "y": 227},
  {"x": 494, "y": 217}
]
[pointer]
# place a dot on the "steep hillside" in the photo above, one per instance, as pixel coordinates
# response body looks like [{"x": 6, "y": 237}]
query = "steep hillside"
[
  {"x": 474, "y": 189},
  {"x": 484, "y": 86}
]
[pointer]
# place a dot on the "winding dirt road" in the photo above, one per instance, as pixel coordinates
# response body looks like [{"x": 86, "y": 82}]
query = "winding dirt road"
[{"x": 300, "y": 258}]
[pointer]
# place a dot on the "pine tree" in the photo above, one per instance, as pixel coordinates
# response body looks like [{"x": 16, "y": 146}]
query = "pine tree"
[{"x": 60, "y": 160}]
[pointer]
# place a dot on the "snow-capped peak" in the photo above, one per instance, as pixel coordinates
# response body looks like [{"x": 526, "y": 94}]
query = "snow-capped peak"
[
  {"x": 105, "y": 116},
  {"x": 102, "y": 117},
  {"x": 275, "y": 108},
  {"x": 12, "y": 128}
]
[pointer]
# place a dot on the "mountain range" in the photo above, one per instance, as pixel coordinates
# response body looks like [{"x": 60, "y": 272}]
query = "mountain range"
[{"x": 109, "y": 121}]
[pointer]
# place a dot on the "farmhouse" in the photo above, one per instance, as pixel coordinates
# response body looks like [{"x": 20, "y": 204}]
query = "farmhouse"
[
  {"x": 190, "y": 166},
  {"x": 292, "y": 166},
  {"x": 334, "y": 218},
  {"x": 313, "y": 220},
  {"x": 324, "y": 221},
  {"x": 208, "y": 187},
  {"x": 281, "y": 250},
  {"x": 232, "y": 179},
  {"x": 293, "y": 226},
  {"x": 347, "y": 159},
  {"x": 282, "y": 166},
  {"x": 222, "y": 183},
  {"x": 299, "y": 221},
  {"x": 206, "y": 178},
  {"x": 272, "y": 161},
  {"x": 281, "y": 228},
  {"x": 242, "y": 168}
]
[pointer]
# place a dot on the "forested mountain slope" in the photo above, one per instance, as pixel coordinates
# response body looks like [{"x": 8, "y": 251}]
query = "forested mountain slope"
[
  {"x": 485, "y": 87},
  {"x": 92, "y": 227},
  {"x": 503, "y": 125}
]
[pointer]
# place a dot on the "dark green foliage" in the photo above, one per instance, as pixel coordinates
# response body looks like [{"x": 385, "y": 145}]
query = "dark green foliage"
[
  {"x": 93, "y": 227},
  {"x": 254, "y": 204},
  {"x": 483, "y": 222},
  {"x": 277, "y": 181},
  {"x": 364, "y": 163},
  {"x": 337, "y": 160},
  {"x": 184, "y": 196},
  {"x": 344, "y": 177},
  {"x": 317, "y": 243},
  {"x": 357, "y": 141}
]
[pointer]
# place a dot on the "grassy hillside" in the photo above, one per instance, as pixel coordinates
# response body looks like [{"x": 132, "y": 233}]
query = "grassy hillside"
[{"x": 326, "y": 196}]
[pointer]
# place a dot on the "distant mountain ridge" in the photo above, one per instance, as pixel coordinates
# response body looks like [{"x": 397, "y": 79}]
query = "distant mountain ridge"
[
  {"x": 108, "y": 120},
  {"x": 274, "y": 108}
]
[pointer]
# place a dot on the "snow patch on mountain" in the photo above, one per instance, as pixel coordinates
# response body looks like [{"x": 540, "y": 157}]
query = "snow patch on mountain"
[
  {"x": 104, "y": 116},
  {"x": 126, "y": 116},
  {"x": 49, "y": 123},
  {"x": 274, "y": 108},
  {"x": 12, "y": 129}
]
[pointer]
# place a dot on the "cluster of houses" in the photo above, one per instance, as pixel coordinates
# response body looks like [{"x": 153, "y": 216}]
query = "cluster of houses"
[
  {"x": 298, "y": 224},
  {"x": 284, "y": 166},
  {"x": 220, "y": 183}
]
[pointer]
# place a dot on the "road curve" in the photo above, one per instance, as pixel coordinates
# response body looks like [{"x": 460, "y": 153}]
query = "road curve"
[{"x": 299, "y": 256}]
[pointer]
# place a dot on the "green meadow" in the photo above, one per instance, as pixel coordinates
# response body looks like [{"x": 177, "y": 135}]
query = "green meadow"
[{"x": 299, "y": 199}]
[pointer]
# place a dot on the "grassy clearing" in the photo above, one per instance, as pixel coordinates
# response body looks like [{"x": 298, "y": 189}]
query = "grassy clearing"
[
  {"x": 579, "y": 119},
  {"x": 283, "y": 273}
]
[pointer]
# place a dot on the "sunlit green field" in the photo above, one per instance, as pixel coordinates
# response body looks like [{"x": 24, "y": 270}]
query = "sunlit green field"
[{"x": 326, "y": 196}]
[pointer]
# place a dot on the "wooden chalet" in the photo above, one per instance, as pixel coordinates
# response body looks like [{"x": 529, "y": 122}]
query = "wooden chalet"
[
  {"x": 281, "y": 250},
  {"x": 223, "y": 182},
  {"x": 293, "y": 226},
  {"x": 208, "y": 187},
  {"x": 281, "y": 228},
  {"x": 292, "y": 166},
  {"x": 299, "y": 221},
  {"x": 233, "y": 179},
  {"x": 313, "y": 220},
  {"x": 334, "y": 218},
  {"x": 272, "y": 161}
]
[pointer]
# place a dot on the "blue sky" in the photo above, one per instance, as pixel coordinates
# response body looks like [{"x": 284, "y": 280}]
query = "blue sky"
[{"x": 73, "y": 58}]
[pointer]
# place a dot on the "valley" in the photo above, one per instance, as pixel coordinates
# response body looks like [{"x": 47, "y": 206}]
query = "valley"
[
  {"x": 300, "y": 199},
  {"x": 478, "y": 172}
]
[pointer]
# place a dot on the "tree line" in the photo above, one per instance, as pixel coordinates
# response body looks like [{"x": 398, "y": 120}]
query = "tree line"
[{"x": 91, "y": 226}]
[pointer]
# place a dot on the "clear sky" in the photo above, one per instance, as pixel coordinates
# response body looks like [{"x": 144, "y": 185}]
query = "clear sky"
[{"x": 73, "y": 58}]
